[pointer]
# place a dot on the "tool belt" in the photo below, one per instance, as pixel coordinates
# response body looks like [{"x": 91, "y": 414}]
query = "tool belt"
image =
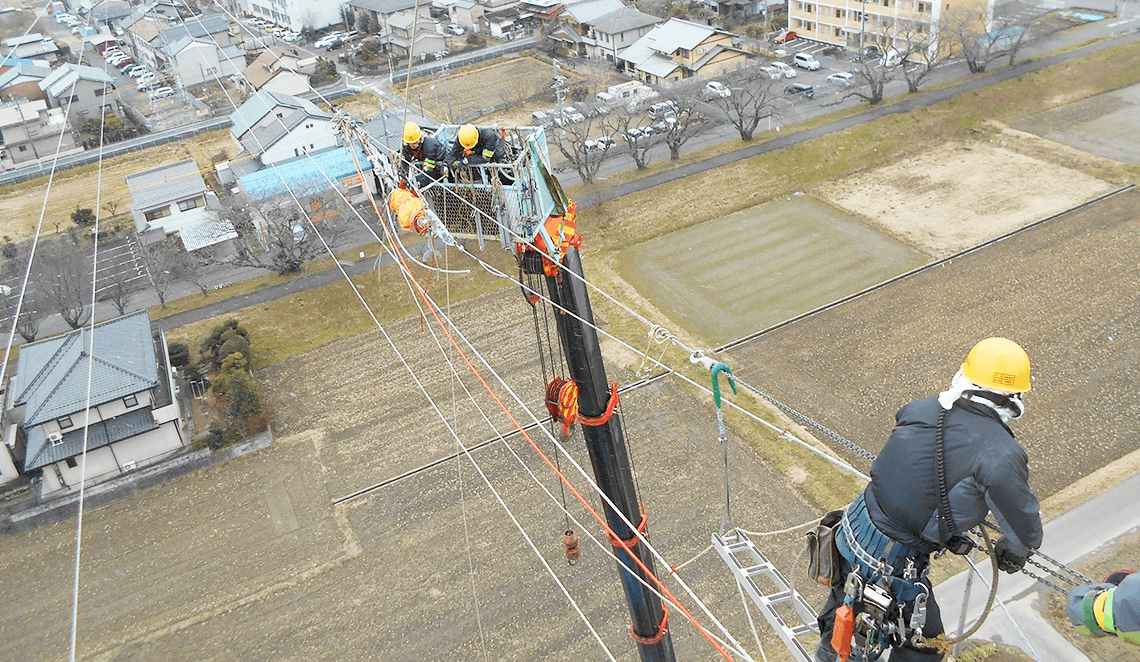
[
  {"x": 823, "y": 555},
  {"x": 872, "y": 551}
]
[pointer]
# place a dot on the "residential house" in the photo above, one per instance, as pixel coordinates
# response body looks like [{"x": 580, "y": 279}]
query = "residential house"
[
  {"x": 399, "y": 37},
  {"x": 851, "y": 24},
  {"x": 386, "y": 129},
  {"x": 30, "y": 131},
  {"x": 82, "y": 92},
  {"x": 311, "y": 178},
  {"x": 504, "y": 22},
  {"x": 152, "y": 40},
  {"x": 196, "y": 60},
  {"x": 277, "y": 127},
  {"x": 31, "y": 45},
  {"x": 296, "y": 15},
  {"x": 600, "y": 28},
  {"x": 22, "y": 81},
  {"x": 128, "y": 418},
  {"x": 372, "y": 15},
  {"x": 741, "y": 9},
  {"x": 279, "y": 72},
  {"x": 464, "y": 13},
  {"x": 109, "y": 12},
  {"x": 678, "y": 49},
  {"x": 172, "y": 199}
]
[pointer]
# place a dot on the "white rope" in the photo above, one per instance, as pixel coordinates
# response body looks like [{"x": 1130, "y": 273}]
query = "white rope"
[
  {"x": 751, "y": 623},
  {"x": 87, "y": 397},
  {"x": 753, "y": 534}
]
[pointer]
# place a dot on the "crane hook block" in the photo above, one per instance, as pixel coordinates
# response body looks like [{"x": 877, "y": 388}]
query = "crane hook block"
[
  {"x": 409, "y": 210},
  {"x": 570, "y": 542}
]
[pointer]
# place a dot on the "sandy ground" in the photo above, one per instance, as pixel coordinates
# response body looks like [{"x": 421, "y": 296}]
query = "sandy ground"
[{"x": 951, "y": 198}]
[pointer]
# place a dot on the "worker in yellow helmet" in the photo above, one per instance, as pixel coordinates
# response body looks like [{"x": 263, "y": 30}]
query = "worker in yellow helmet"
[
  {"x": 421, "y": 154},
  {"x": 949, "y": 462},
  {"x": 1108, "y": 608},
  {"x": 476, "y": 146}
]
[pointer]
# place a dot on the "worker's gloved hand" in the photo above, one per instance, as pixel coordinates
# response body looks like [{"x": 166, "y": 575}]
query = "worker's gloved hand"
[
  {"x": 1009, "y": 559},
  {"x": 1116, "y": 576}
]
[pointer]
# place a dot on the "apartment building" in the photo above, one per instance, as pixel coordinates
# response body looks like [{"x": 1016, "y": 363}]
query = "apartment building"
[{"x": 858, "y": 23}]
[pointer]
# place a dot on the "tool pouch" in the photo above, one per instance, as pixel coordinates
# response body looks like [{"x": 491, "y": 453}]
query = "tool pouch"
[{"x": 823, "y": 556}]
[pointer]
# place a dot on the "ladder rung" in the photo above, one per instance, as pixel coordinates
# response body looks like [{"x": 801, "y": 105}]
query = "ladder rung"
[
  {"x": 782, "y": 596},
  {"x": 754, "y": 570}
]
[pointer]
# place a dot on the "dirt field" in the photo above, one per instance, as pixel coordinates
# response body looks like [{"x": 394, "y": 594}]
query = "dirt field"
[
  {"x": 1067, "y": 290},
  {"x": 275, "y": 572},
  {"x": 20, "y": 206},
  {"x": 474, "y": 89},
  {"x": 956, "y": 196},
  {"x": 1107, "y": 124}
]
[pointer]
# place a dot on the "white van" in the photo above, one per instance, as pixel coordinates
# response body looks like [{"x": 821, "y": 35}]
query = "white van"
[{"x": 806, "y": 61}]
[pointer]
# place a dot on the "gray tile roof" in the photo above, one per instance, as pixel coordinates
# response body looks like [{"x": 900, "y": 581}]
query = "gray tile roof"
[
  {"x": 102, "y": 433},
  {"x": 626, "y": 18},
  {"x": 261, "y": 103},
  {"x": 61, "y": 80},
  {"x": 29, "y": 70},
  {"x": 51, "y": 377},
  {"x": 166, "y": 183},
  {"x": 207, "y": 25}
]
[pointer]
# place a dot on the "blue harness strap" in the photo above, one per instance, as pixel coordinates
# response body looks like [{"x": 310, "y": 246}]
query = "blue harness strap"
[{"x": 875, "y": 554}]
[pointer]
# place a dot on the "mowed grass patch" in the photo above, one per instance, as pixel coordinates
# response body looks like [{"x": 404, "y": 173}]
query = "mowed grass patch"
[
  {"x": 969, "y": 117},
  {"x": 21, "y": 204},
  {"x": 294, "y": 324},
  {"x": 475, "y": 89},
  {"x": 363, "y": 106}
]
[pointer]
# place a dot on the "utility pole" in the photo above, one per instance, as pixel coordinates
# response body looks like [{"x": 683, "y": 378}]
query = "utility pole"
[{"x": 608, "y": 453}]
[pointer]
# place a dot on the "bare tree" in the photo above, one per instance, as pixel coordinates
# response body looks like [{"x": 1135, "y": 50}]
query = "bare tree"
[
  {"x": 281, "y": 236},
  {"x": 965, "y": 30},
  {"x": 873, "y": 77},
  {"x": 918, "y": 49},
  {"x": 193, "y": 268},
  {"x": 637, "y": 133},
  {"x": 111, "y": 206},
  {"x": 28, "y": 325},
  {"x": 686, "y": 123},
  {"x": 120, "y": 289},
  {"x": 63, "y": 275},
  {"x": 1015, "y": 24},
  {"x": 583, "y": 153},
  {"x": 162, "y": 258},
  {"x": 753, "y": 98}
]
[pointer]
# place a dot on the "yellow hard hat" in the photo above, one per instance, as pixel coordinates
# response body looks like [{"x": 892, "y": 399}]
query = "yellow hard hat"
[
  {"x": 468, "y": 136},
  {"x": 412, "y": 133},
  {"x": 998, "y": 364}
]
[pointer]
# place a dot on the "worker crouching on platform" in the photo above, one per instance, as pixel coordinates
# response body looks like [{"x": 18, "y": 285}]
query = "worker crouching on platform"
[
  {"x": 888, "y": 534},
  {"x": 422, "y": 151},
  {"x": 475, "y": 146},
  {"x": 1110, "y": 608}
]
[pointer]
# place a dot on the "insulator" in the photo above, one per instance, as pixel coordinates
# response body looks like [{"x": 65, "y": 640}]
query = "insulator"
[{"x": 570, "y": 542}]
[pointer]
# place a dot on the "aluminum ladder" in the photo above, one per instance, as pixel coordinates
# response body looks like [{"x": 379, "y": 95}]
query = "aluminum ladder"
[{"x": 747, "y": 564}]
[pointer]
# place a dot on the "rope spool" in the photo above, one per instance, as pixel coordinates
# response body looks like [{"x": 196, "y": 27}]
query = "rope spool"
[{"x": 562, "y": 403}]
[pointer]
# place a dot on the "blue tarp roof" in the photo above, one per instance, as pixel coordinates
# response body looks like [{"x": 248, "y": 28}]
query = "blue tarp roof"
[{"x": 304, "y": 175}]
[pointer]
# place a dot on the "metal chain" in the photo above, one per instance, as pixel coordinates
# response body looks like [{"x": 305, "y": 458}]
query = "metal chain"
[
  {"x": 1073, "y": 571},
  {"x": 1068, "y": 580},
  {"x": 806, "y": 420}
]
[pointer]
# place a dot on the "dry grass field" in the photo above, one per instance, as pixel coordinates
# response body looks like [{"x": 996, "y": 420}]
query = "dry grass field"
[{"x": 21, "y": 205}]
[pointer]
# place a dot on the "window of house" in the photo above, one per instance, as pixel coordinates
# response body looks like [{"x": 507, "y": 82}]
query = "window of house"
[
  {"x": 809, "y": 8},
  {"x": 838, "y": 31},
  {"x": 161, "y": 212},
  {"x": 355, "y": 190},
  {"x": 840, "y": 13},
  {"x": 131, "y": 400},
  {"x": 192, "y": 203},
  {"x": 923, "y": 7},
  {"x": 886, "y": 3},
  {"x": 809, "y": 26},
  {"x": 71, "y": 463},
  {"x": 64, "y": 422},
  {"x": 100, "y": 91}
]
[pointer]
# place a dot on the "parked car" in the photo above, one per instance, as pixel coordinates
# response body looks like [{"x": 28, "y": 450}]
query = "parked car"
[
  {"x": 137, "y": 72},
  {"x": 716, "y": 90},
  {"x": 640, "y": 132},
  {"x": 891, "y": 58},
  {"x": 599, "y": 144},
  {"x": 292, "y": 37},
  {"x": 800, "y": 89},
  {"x": 125, "y": 62},
  {"x": 161, "y": 93},
  {"x": 112, "y": 53},
  {"x": 130, "y": 69},
  {"x": 147, "y": 76},
  {"x": 868, "y": 53},
  {"x": 785, "y": 36},
  {"x": 541, "y": 118},
  {"x": 842, "y": 78},
  {"x": 148, "y": 83},
  {"x": 785, "y": 69},
  {"x": 772, "y": 72},
  {"x": 456, "y": 30},
  {"x": 568, "y": 115},
  {"x": 663, "y": 109},
  {"x": 806, "y": 61}
]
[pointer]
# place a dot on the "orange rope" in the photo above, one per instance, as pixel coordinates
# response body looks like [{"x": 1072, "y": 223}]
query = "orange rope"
[
  {"x": 605, "y": 416},
  {"x": 522, "y": 431}
]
